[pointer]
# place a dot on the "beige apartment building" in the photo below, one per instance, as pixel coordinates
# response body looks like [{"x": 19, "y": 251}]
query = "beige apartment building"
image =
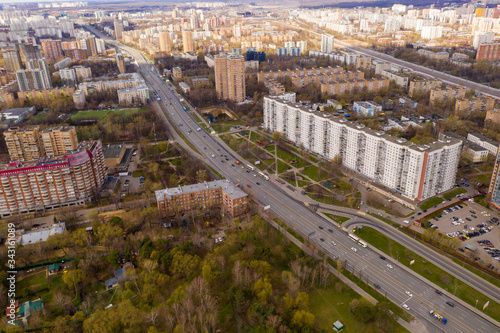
[
  {"x": 448, "y": 93},
  {"x": 187, "y": 41},
  {"x": 24, "y": 144},
  {"x": 493, "y": 116},
  {"x": 165, "y": 41},
  {"x": 348, "y": 86},
  {"x": 230, "y": 77},
  {"x": 468, "y": 106},
  {"x": 59, "y": 140},
  {"x": 232, "y": 200},
  {"x": 423, "y": 85}
]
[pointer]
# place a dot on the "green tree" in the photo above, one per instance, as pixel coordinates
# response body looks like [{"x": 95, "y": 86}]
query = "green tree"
[
  {"x": 263, "y": 290},
  {"x": 303, "y": 318}
]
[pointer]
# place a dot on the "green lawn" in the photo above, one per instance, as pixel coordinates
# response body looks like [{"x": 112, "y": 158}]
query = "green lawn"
[
  {"x": 428, "y": 270},
  {"x": 40, "y": 116},
  {"x": 37, "y": 285},
  {"x": 430, "y": 203},
  {"x": 329, "y": 305},
  {"x": 302, "y": 183},
  {"x": 313, "y": 173},
  {"x": 256, "y": 136},
  {"x": 453, "y": 193},
  {"x": 285, "y": 155},
  {"x": 271, "y": 149},
  {"x": 282, "y": 167},
  {"x": 337, "y": 218},
  {"x": 100, "y": 114},
  {"x": 484, "y": 178}
]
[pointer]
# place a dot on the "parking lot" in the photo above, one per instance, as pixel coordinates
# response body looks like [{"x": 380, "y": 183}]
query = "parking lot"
[{"x": 471, "y": 223}]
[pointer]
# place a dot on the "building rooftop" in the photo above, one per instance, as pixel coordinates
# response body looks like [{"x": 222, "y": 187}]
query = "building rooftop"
[
  {"x": 484, "y": 138},
  {"x": 40, "y": 235},
  {"x": 445, "y": 141},
  {"x": 229, "y": 188},
  {"x": 112, "y": 151},
  {"x": 59, "y": 128}
]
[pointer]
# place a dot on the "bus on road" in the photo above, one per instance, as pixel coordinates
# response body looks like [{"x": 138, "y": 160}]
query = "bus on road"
[
  {"x": 251, "y": 167},
  {"x": 263, "y": 176},
  {"x": 353, "y": 238},
  {"x": 362, "y": 243}
]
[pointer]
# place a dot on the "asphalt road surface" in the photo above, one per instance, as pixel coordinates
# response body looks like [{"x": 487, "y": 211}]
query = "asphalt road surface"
[{"x": 393, "y": 281}]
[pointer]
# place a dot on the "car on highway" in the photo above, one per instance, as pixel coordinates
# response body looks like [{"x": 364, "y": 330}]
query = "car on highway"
[
  {"x": 377, "y": 285},
  {"x": 408, "y": 293},
  {"x": 390, "y": 266},
  {"x": 382, "y": 257},
  {"x": 330, "y": 230},
  {"x": 334, "y": 243},
  {"x": 322, "y": 239},
  {"x": 320, "y": 227},
  {"x": 450, "y": 304},
  {"x": 238, "y": 180},
  {"x": 354, "y": 249},
  {"x": 438, "y": 292},
  {"x": 406, "y": 307},
  {"x": 248, "y": 185},
  {"x": 258, "y": 183}
]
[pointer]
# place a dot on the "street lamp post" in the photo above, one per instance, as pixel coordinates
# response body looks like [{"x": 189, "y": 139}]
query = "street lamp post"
[
  {"x": 476, "y": 302},
  {"x": 455, "y": 290}
]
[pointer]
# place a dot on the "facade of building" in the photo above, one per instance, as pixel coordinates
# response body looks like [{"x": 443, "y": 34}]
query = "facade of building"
[
  {"x": 31, "y": 52},
  {"x": 52, "y": 50},
  {"x": 422, "y": 85},
  {"x": 79, "y": 99},
  {"x": 348, "y": 86},
  {"x": 41, "y": 184},
  {"x": 431, "y": 32},
  {"x": 484, "y": 142},
  {"x": 68, "y": 74},
  {"x": 494, "y": 189},
  {"x": 416, "y": 172},
  {"x": 230, "y": 77},
  {"x": 493, "y": 116},
  {"x": 327, "y": 42},
  {"x": 488, "y": 52},
  {"x": 363, "y": 63},
  {"x": 46, "y": 94},
  {"x": 367, "y": 108},
  {"x": 172, "y": 201},
  {"x": 467, "y": 106},
  {"x": 165, "y": 41},
  {"x": 275, "y": 88},
  {"x": 187, "y": 41},
  {"x": 177, "y": 73},
  {"x": 399, "y": 78},
  {"x": 11, "y": 57},
  {"x": 24, "y": 144},
  {"x": 447, "y": 93},
  {"x": 32, "y": 79},
  {"x": 82, "y": 73},
  {"x": 66, "y": 62},
  {"x": 118, "y": 25},
  {"x": 120, "y": 62},
  {"x": 133, "y": 96},
  {"x": 59, "y": 140}
]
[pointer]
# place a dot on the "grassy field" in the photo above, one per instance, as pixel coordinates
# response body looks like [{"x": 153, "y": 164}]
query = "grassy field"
[
  {"x": 484, "y": 178},
  {"x": 337, "y": 218},
  {"x": 101, "y": 114},
  {"x": 430, "y": 203},
  {"x": 453, "y": 193},
  {"x": 38, "y": 284},
  {"x": 282, "y": 167},
  {"x": 329, "y": 305},
  {"x": 312, "y": 172},
  {"x": 428, "y": 270}
]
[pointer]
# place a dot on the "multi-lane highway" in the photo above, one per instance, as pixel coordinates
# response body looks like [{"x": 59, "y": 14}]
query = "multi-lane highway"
[{"x": 392, "y": 281}]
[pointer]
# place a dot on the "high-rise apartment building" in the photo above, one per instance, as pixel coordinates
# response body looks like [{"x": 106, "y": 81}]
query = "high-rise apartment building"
[
  {"x": 327, "y": 43},
  {"x": 49, "y": 183},
  {"x": 32, "y": 79},
  {"x": 172, "y": 201},
  {"x": 416, "y": 172},
  {"x": 52, "y": 50},
  {"x": 120, "y": 62},
  {"x": 11, "y": 57},
  {"x": 59, "y": 140},
  {"x": 31, "y": 52},
  {"x": 24, "y": 144},
  {"x": 82, "y": 73},
  {"x": 118, "y": 29},
  {"x": 68, "y": 76},
  {"x": 494, "y": 189},
  {"x": 230, "y": 77},
  {"x": 488, "y": 52},
  {"x": 92, "y": 46},
  {"x": 187, "y": 41},
  {"x": 165, "y": 41}
]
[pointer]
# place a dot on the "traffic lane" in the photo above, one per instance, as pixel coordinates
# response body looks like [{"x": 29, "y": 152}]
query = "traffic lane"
[{"x": 465, "y": 276}]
